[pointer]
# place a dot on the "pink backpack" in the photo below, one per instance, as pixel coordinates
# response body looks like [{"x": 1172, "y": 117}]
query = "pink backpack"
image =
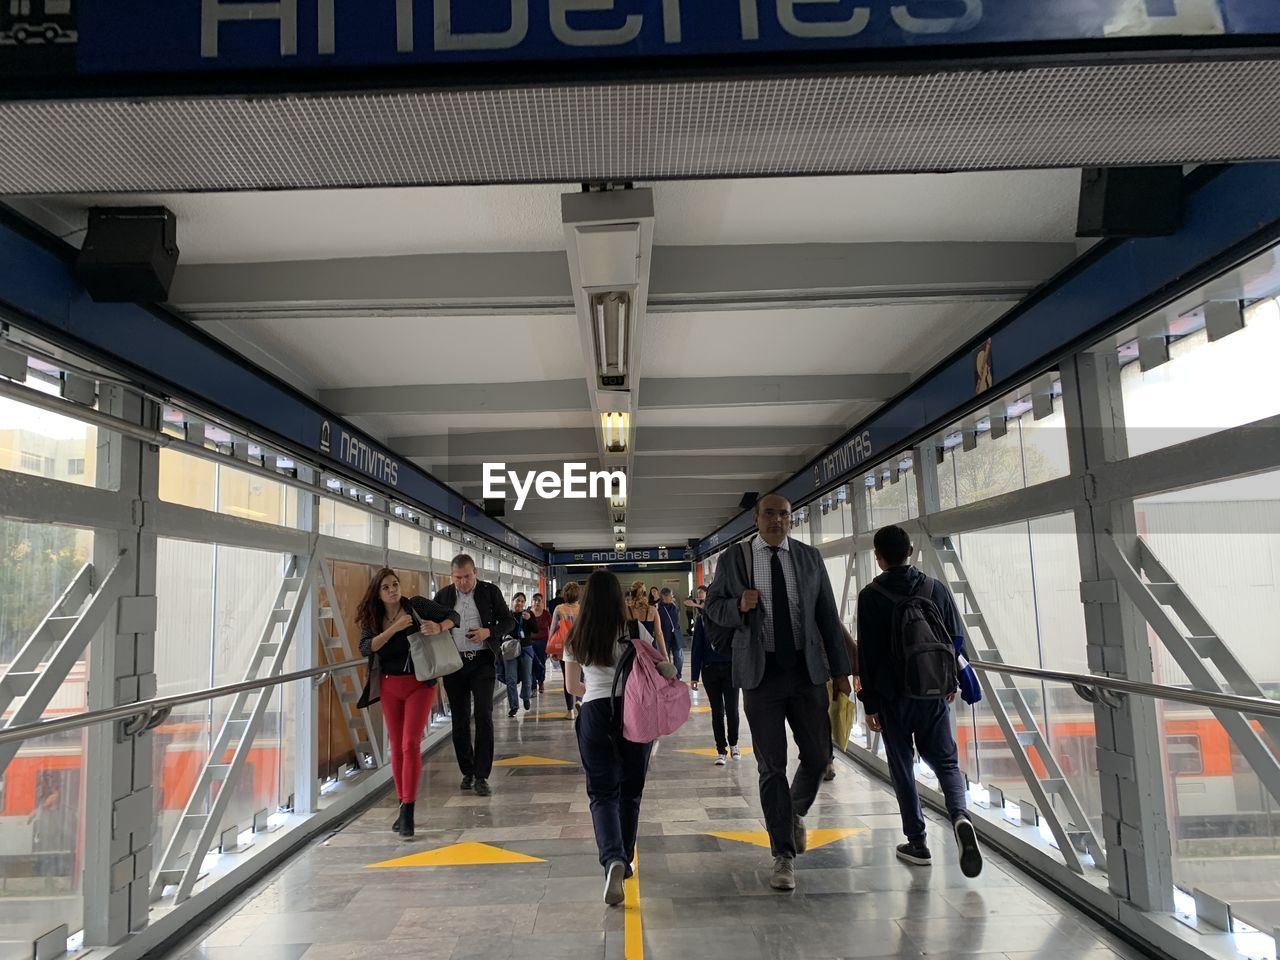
[{"x": 652, "y": 706}]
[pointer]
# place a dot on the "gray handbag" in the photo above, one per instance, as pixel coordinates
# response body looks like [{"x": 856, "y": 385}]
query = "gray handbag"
[
  {"x": 510, "y": 649},
  {"x": 434, "y": 656}
]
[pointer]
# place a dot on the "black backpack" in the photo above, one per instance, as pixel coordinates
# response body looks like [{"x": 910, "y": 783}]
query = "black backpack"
[
  {"x": 721, "y": 638},
  {"x": 924, "y": 657}
]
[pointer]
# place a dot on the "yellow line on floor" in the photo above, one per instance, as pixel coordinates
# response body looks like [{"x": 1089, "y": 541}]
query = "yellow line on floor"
[{"x": 633, "y": 935}]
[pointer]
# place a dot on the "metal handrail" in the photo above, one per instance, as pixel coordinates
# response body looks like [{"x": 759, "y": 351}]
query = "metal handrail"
[
  {"x": 1254, "y": 706},
  {"x": 152, "y": 713}
]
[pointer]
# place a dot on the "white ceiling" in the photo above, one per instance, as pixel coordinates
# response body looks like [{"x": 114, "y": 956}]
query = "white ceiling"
[
  {"x": 1026, "y": 205},
  {"x": 358, "y": 344}
]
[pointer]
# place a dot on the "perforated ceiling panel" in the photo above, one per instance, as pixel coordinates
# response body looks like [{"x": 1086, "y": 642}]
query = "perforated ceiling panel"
[{"x": 1043, "y": 117}]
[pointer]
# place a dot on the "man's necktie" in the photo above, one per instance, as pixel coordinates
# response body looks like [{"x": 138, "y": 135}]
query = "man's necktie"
[{"x": 784, "y": 639}]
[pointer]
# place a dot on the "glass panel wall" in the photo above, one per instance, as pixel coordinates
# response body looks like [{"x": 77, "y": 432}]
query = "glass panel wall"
[
  {"x": 42, "y": 790},
  {"x": 41, "y": 443}
]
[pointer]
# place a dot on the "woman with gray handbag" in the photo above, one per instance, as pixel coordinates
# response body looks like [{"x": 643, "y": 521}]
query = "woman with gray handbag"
[{"x": 396, "y": 635}]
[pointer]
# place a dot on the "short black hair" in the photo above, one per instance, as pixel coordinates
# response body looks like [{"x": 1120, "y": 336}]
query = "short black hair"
[{"x": 893, "y": 544}]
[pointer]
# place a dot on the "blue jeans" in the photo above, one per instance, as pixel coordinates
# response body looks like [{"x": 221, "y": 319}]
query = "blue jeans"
[
  {"x": 616, "y": 770},
  {"x": 675, "y": 652},
  {"x": 924, "y": 726},
  {"x": 518, "y": 670}
]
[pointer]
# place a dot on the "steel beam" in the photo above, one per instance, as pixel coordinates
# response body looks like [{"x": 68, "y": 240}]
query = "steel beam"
[
  {"x": 512, "y": 445},
  {"x": 683, "y": 277},
  {"x": 1135, "y": 818},
  {"x": 658, "y": 394}
]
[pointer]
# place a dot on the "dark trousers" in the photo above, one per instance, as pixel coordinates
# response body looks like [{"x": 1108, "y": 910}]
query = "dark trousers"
[
  {"x": 474, "y": 682},
  {"x": 787, "y": 697},
  {"x": 539, "y": 662},
  {"x": 717, "y": 681},
  {"x": 615, "y": 769},
  {"x": 924, "y": 726}
]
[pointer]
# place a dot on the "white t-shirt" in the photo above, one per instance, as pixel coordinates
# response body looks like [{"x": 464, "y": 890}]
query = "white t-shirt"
[{"x": 599, "y": 680}]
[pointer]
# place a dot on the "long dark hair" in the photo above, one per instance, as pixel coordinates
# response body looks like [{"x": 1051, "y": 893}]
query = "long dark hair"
[
  {"x": 600, "y": 622},
  {"x": 369, "y": 613}
]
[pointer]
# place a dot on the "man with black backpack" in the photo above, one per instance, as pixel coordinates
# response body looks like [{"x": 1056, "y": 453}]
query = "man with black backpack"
[{"x": 909, "y": 635}]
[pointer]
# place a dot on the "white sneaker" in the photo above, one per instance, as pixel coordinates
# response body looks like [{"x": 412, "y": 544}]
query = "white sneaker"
[
  {"x": 720, "y": 759},
  {"x": 614, "y": 879},
  {"x": 737, "y": 754}
]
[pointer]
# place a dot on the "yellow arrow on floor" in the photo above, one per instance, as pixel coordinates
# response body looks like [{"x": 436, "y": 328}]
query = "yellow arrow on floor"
[
  {"x": 817, "y": 838},
  {"x": 459, "y": 855},
  {"x": 531, "y": 762},
  {"x": 700, "y": 710},
  {"x": 710, "y": 751}
]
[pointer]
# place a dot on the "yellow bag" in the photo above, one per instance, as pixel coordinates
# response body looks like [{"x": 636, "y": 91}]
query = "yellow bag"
[{"x": 842, "y": 712}]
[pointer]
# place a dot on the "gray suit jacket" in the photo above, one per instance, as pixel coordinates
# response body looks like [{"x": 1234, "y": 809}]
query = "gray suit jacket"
[{"x": 821, "y": 636}]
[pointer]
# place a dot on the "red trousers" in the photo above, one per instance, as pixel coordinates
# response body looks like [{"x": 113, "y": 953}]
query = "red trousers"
[{"x": 406, "y": 706}]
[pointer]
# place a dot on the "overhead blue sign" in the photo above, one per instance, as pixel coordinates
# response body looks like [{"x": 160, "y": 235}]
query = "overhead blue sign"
[{"x": 152, "y": 36}]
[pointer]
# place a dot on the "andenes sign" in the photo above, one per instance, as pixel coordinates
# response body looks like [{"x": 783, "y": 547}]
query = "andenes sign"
[{"x": 107, "y": 36}]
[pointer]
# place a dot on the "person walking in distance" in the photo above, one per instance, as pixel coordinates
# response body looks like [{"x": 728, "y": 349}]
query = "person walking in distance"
[
  {"x": 520, "y": 670},
  {"x": 541, "y": 630},
  {"x": 387, "y": 620},
  {"x": 715, "y": 672},
  {"x": 906, "y": 697},
  {"x": 787, "y": 644},
  {"x": 669, "y": 614},
  {"x": 483, "y": 621},
  {"x": 615, "y": 766},
  {"x": 566, "y": 612}
]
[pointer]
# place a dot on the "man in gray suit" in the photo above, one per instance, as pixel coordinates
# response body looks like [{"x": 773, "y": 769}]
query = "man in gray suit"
[{"x": 787, "y": 644}]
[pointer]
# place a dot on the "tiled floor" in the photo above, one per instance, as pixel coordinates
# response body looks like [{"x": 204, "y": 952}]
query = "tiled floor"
[{"x": 699, "y": 895}]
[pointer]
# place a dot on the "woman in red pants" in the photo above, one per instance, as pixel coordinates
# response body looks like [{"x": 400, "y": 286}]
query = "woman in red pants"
[{"x": 387, "y": 620}]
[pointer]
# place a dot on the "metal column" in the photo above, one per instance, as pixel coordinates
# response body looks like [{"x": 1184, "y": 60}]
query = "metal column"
[
  {"x": 119, "y": 800},
  {"x": 1134, "y": 815}
]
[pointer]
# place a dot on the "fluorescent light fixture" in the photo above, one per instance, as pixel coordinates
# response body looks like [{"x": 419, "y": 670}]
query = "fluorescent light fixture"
[
  {"x": 620, "y": 546},
  {"x": 620, "y": 531},
  {"x": 614, "y": 427},
  {"x": 610, "y": 316},
  {"x": 618, "y": 501}
]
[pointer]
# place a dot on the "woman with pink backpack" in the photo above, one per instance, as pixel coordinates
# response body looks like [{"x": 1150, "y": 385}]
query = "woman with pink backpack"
[{"x": 628, "y": 700}]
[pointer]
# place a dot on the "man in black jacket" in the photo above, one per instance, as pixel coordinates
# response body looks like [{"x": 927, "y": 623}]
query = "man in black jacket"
[
  {"x": 911, "y": 725},
  {"x": 485, "y": 620}
]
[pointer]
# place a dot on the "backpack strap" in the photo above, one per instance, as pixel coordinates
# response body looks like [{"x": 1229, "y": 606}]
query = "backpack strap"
[
  {"x": 749, "y": 563},
  {"x": 925, "y": 590},
  {"x": 623, "y": 669}
]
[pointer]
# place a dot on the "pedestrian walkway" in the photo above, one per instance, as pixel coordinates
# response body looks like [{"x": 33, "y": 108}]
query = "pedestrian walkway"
[{"x": 515, "y": 875}]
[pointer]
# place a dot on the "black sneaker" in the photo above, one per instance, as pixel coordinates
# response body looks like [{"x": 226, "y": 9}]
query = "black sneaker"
[
  {"x": 468, "y": 782},
  {"x": 528, "y": 705},
  {"x": 831, "y": 772},
  {"x": 916, "y": 853},
  {"x": 970, "y": 854},
  {"x": 482, "y": 787},
  {"x": 512, "y": 712}
]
